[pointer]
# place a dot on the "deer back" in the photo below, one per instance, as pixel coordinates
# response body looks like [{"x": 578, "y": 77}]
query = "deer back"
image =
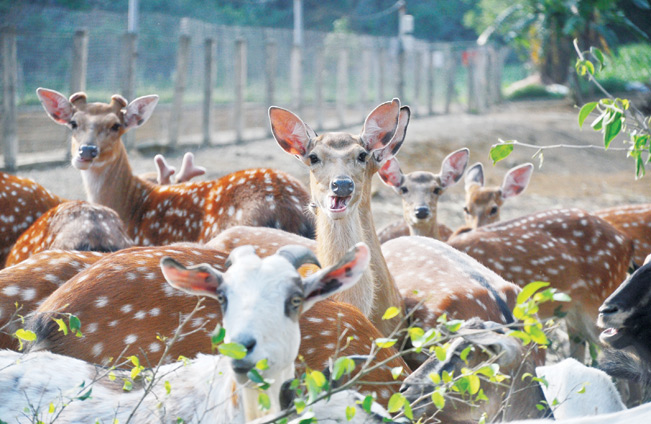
[{"x": 635, "y": 222}]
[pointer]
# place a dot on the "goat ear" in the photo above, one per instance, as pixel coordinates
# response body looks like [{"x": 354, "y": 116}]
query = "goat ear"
[
  {"x": 56, "y": 105},
  {"x": 516, "y": 180},
  {"x": 474, "y": 176},
  {"x": 380, "y": 125},
  {"x": 139, "y": 111},
  {"x": 391, "y": 174},
  {"x": 395, "y": 144},
  {"x": 290, "y": 132},
  {"x": 341, "y": 276},
  {"x": 453, "y": 167},
  {"x": 201, "y": 280}
]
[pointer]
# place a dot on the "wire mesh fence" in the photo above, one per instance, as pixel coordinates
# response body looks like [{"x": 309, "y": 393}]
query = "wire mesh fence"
[{"x": 333, "y": 79}]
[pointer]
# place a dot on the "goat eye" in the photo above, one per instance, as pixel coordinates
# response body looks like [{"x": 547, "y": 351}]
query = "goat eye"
[
  {"x": 221, "y": 298},
  {"x": 314, "y": 159},
  {"x": 362, "y": 157},
  {"x": 493, "y": 210},
  {"x": 404, "y": 190},
  {"x": 296, "y": 301},
  {"x": 465, "y": 209},
  {"x": 73, "y": 125},
  {"x": 438, "y": 190},
  {"x": 115, "y": 127}
]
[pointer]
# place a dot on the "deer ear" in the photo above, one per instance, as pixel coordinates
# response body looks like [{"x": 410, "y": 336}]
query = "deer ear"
[
  {"x": 398, "y": 138},
  {"x": 453, "y": 167},
  {"x": 139, "y": 111},
  {"x": 291, "y": 134},
  {"x": 391, "y": 174},
  {"x": 516, "y": 180},
  {"x": 56, "y": 105},
  {"x": 201, "y": 280},
  {"x": 341, "y": 276},
  {"x": 474, "y": 176},
  {"x": 380, "y": 125}
]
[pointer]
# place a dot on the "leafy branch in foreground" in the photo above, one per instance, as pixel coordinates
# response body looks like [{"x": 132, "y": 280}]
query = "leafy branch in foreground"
[{"x": 614, "y": 116}]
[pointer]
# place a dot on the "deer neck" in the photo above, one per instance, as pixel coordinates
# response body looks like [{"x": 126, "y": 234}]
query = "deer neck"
[
  {"x": 114, "y": 185},
  {"x": 427, "y": 229},
  {"x": 376, "y": 290}
]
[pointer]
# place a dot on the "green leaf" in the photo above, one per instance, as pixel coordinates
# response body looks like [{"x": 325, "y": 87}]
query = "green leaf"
[
  {"x": 218, "y": 336},
  {"x": 436, "y": 379},
  {"x": 597, "y": 54},
  {"x": 343, "y": 365},
  {"x": 384, "y": 343},
  {"x": 263, "y": 401},
  {"x": 500, "y": 151},
  {"x": 62, "y": 326},
  {"x": 438, "y": 399},
  {"x": 537, "y": 335},
  {"x": 350, "y": 412},
  {"x": 526, "y": 339},
  {"x": 585, "y": 112},
  {"x": 26, "y": 335},
  {"x": 367, "y": 403},
  {"x": 86, "y": 394},
  {"x": 111, "y": 376},
  {"x": 581, "y": 390},
  {"x": 134, "y": 360},
  {"x": 127, "y": 386},
  {"x": 396, "y": 402},
  {"x": 529, "y": 290},
  {"x": 396, "y": 372},
  {"x": 168, "y": 387},
  {"x": 319, "y": 378},
  {"x": 391, "y": 312},
  {"x": 51, "y": 409},
  {"x": 75, "y": 324},
  {"x": 473, "y": 384},
  {"x": 562, "y": 297},
  {"x": 299, "y": 404},
  {"x": 255, "y": 376},
  {"x": 612, "y": 129},
  {"x": 464, "y": 353},
  {"x": 441, "y": 353},
  {"x": 262, "y": 364},
  {"x": 232, "y": 350}
]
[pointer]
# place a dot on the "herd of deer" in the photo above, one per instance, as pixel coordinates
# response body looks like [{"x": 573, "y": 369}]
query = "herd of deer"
[{"x": 129, "y": 262}]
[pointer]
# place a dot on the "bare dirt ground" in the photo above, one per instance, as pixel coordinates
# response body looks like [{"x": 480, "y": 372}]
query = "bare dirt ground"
[{"x": 590, "y": 179}]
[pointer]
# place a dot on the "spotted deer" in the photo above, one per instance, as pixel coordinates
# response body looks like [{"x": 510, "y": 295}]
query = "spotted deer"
[
  {"x": 578, "y": 253},
  {"x": 73, "y": 225},
  {"x": 261, "y": 302},
  {"x": 123, "y": 303},
  {"x": 341, "y": 168},
  {"x": 164, "y": 174},
  {"x": 483, "y": 203},
  {"x": 26, "y": 285},
  {"x": 420, "y": 192},
  {"x": 635, "y": 222},
  {"x": 157, "y": 215},
  {"x": 23, "y": 201}
]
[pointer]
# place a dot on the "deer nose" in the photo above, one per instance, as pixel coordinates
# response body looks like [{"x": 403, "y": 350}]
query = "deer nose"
[
  {"x": 88, "y": 152},
  {"x": 608, "y": 309},
  {"x": 421, "y": 212},
  {"x": 342, "y": 186}
]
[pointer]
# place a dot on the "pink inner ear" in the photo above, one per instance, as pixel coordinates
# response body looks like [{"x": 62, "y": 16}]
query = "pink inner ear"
[
  {"x": 516, "y": 180},
  {"x": 390, "y": 173},
  {"x": 381, "y": 125},
  {"x": 56, "y": 105},
  {"x": 200, "y": 282},
  {"x": 453, "y": 167},
  {"x": 289, "y": 131}
]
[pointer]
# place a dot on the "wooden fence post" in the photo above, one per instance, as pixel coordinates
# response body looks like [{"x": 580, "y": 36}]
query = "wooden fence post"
[
  {"x": 128, "y": 79},
  {"x": 430, "y": 80},
  {"x": 319, "y": 66},
  {"x": 342, "y": 85},
  {"x": 382, "y": 55},
  {"x": 208, "y": 73},
  {"x": 450, "y": 76},
  {"x": 401, "y": 74},
  {"x": 182, "y": 59},
  {"x": 270, "y": 64},
  {"x": 240, "y": 88},
  {"x": 79, "y": 61},
  {"x": 296, "y": 77},
  {"x": 418, "y": 68},
  {"x": 365, "y": 65},
  {"x": 9, "y": 82}
]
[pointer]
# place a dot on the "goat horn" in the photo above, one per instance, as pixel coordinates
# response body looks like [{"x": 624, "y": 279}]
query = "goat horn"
[{"x": 298, "y": 255}]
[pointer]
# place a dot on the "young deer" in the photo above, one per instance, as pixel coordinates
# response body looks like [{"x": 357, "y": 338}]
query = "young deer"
[
  {"x": 483, "y": 203},
  {"x": 23, "y": 201},
  {"x": 157, "y": 215},
  {"x": 341, "y": 169},
  {"x": 123, "y": 303},
  {"x": 420, "y": 192},
  {"x": 635, "y": 222},
  {"x": 261, "y": 302},
  {"x": 578, "y": 253},
  {"x": 26, "y": 285},
  {"x": 74, "y": 225}
]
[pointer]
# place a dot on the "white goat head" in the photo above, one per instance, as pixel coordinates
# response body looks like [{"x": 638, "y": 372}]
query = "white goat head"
[{"x": 262, "y": 299}]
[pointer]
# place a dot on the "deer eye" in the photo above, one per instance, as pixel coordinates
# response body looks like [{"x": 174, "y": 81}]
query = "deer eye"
[
  {"x": 438, "y": 191},
  {"x": 115, "y": 127},
  {"x": 493, "y": 210},
  {"x": 296, "y": 301},
  {"x": 314, "y": 159},
  {"x": 403, "y": 189},
  {"x": 73, "y": 125},
  {"x": 221, "y": 298},
  {"x": 362, "y": 157}
]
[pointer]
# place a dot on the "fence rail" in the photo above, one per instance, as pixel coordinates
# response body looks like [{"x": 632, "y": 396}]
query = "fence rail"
[{"x": 216, "y": 82}]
